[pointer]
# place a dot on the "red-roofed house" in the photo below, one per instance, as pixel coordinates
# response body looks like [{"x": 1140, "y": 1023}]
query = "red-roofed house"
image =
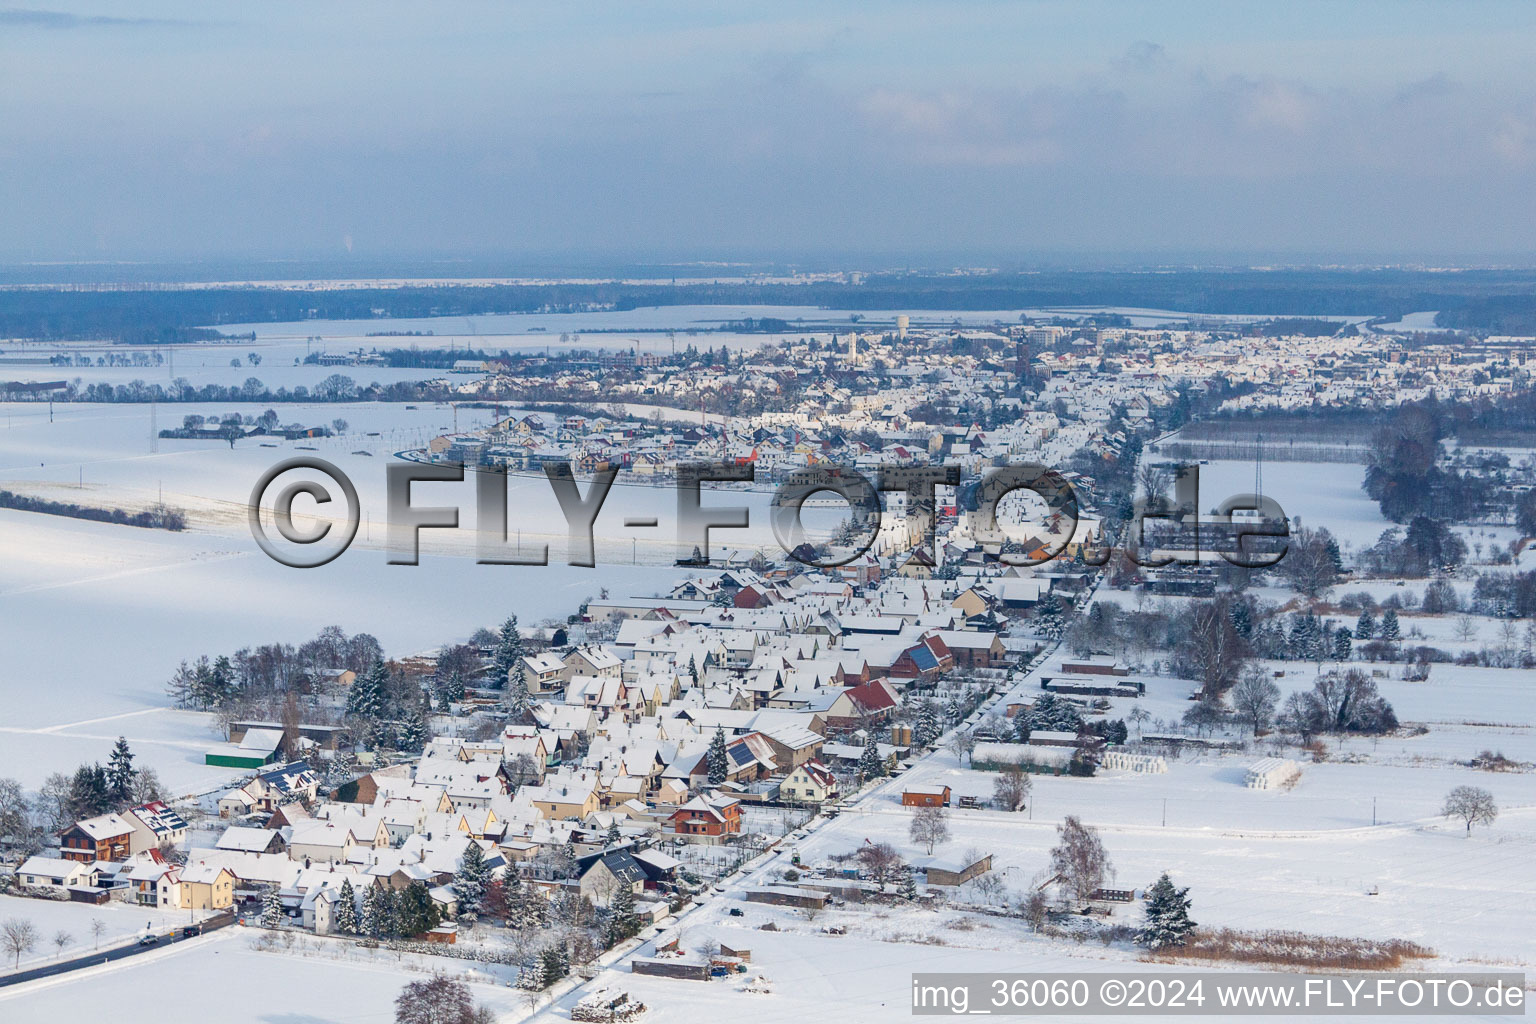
[
  {"x": 874, "y": 700},
  {"x": 927, "y": 659},
  {"x": 708, "y": 816}
]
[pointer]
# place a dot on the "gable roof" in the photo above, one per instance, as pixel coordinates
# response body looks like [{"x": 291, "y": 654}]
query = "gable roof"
[
  {"x": 158, "y": 818},
  {"x": 104, "y": 827}
]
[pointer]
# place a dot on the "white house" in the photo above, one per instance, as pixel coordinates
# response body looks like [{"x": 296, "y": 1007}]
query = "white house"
[
  {"x": 55, "y": 873},
  {"x": 811, "y": 783}
]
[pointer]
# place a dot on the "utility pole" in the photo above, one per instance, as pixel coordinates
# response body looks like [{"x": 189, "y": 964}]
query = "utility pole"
[{"x": 1165, "y": 812}]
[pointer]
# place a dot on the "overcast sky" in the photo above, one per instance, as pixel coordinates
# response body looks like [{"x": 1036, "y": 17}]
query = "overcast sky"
[{"x": 1331, "y": 131}]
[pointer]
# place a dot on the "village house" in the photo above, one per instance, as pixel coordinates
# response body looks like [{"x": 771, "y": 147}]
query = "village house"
[
  {"x": 206, "y": 887},
  {"x": 591, "y": 661},
  {"x": 874, "y": 701},
  {"x": 321, "y": 841},
  {"x": 810, "y": 783},
  {"x": 155, "y": 825},
  {"x": 607, "y": 874},
  {"x": 563, "y": 797},
  {"x": 104, "y": 837},
  {"x": 712, "y": 816},
  {"x": 55, "y": 873}
]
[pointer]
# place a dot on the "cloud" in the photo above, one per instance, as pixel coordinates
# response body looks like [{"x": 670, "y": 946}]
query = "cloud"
[
  {"x": 1145, "y": 57},
  {"x": 25, "y": 18},
  {"x": 981, "y": 128}
]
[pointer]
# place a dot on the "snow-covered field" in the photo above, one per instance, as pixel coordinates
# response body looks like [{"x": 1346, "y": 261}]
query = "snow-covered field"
[
  {"x": 221, "y": 978},
  {"x": 1320, "y": 494},
  {"x": 169, "y": 740},
  {"x": 95, "y": 617},
  {"x": 122, "y": 923}
]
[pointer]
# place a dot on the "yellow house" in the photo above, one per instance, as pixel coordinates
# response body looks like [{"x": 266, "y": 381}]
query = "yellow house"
[
  {"x": 970, "y": 603},
  {"x": 560, "y": 799},
  {"x": 810, "y": 783},
  {"x": 205, "y": 887}
]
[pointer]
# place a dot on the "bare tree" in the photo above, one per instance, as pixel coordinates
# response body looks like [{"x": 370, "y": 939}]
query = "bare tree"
[
  {"x": 1153, "y": 482},
  {"x": 98, "y": 929},
  {"x": 1466, "y": 628},
  {"x": 147, "y": 787},
  {"x": 17, "y": 936},
  {"x": 961, "y": 744},
  {"x": 16, "y": 828},
  {"x": 1033, "y": 909},
  {"x": 930, "y": 826},
  {"x": 1212, "y": 650},
  {"x": 1254, "y": 698},
  {"x": 54, "y": 802},
  {"x": 880, "y": 862},
  {"x": 1011, "y": 788},
  {"x": 988, "y": 886},
  {"x": 1079, "y": 859},
  {"x": 61, "y": 940},
  {"x": 1472, "y": 805},
  {"x": 1309, "y": 563}
]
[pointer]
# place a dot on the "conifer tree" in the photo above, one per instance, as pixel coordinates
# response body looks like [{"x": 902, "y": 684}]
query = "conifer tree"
[
  {"x": 417, "y": 912},
  {"x": 89, "y": 794},
  {"x": 1342, "y": 644},
  {"x": 1365, "y": 626},
  {"x": 367, "y": 697},
  {"x": 373, "y": 922},
  {"x": 551, "y": 967},
  {"x": 469, "y": 883},
  {"x": 120, "y": 773},
  {"x": 907, "y": 887},
  {"x": 414, "y": 731},
  {"x": 346, "y": 909},
  {"x": 927, "y": 727},
  {"x": 389, "y": 911},
  {"x": 519, "y": 703},
  {"x": 1389, "y": 628},
  {"x": 271, "y": 910},
  {"x": 508, "y": 653},
  {"x": 717, "y": 759},
  {"x": 623, "y": 923},
  {"x": 871, "y": 764},
  {"x": 1168, "y": 922}
]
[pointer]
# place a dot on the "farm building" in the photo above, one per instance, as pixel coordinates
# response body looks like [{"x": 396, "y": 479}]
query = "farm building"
[
  {"x": 256, "y": 749},
  {"x": 925, "y": 796},
  {"x": 1028, "y": 756},
  {"x": 952, "y": 869},
  {"x": 1055, "y": 738},
  {"x": 1090, "y": 685},
  {"x": 671, "y": 967},
  {"x": 789, "y": 896}
]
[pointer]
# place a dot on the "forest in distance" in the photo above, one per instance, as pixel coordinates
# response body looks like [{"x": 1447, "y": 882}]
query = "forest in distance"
[{"x": 1478, "y": 301}]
